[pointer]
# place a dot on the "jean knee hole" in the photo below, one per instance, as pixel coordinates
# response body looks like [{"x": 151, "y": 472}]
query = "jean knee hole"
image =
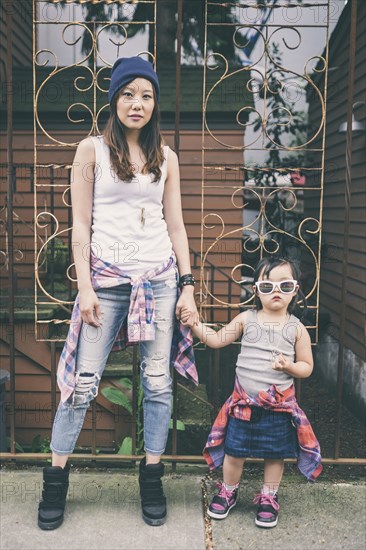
[
  {"x": 155, "y": 371},
  {"x": 86, "y": 387}
]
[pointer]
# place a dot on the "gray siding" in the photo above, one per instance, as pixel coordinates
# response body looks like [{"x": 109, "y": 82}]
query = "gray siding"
[
  {"x": 334, "y": 186},
  {"x": 22, "y": 35}
]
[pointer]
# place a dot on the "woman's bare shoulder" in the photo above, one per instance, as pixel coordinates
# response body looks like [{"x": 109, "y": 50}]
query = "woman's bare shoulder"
[
  {"x": 171, "y": 155},
  {"x": 172, "y": 165},
  {"x": 86, "y": 149}
]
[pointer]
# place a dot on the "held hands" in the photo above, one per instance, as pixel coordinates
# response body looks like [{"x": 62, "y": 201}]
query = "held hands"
[
  {"x": 281, "y": 363},
  {"x": 187, "y": 316},
  {"x": 90, "y": 308}
]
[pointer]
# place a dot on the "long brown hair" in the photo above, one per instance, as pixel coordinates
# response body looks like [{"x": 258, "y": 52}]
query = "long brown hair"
[{"x": 150, "y": 141}]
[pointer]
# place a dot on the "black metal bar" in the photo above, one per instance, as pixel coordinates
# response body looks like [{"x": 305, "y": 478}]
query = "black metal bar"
[
  {"x": 175, "y": 416},
  {"x": 347, "y": 202},
  {"x": 134, "y": 399},
  {"x": 15, "y": 274},
  {"x": 94, "y": 428},
  {"x": 212, "y": 289},
  {"x": 216, "y": 379},
  {"x": 53, "y": 380},
  {"x": 15, "y": 176},
  {"x": 177, "y": 80},
  {"x": 229, "y": 300},
  {"x": 69, "y": 238},
  {"x": 52, "y": 205},
  {"x": 9, "y": 221}
]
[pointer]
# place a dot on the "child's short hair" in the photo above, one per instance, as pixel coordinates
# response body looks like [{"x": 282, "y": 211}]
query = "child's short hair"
[{"x": 264, "y": 268}]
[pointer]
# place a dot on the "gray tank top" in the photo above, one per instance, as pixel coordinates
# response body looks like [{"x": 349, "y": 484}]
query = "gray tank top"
[{"x": 258, "y": 344}]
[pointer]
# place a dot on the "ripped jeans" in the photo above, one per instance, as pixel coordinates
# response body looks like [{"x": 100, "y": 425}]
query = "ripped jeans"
[{"x": 95, "y": 344}]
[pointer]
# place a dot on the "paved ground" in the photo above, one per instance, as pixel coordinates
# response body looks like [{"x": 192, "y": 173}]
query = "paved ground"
[
  {"x": 326, "y": 516},
  {"x": 103, "y": 511}
]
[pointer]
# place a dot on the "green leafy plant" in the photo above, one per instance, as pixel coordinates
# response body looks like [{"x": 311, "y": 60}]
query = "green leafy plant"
[
  {"x": 180, "y": 425},
  {"x": 41, "y": 445},
  {"x": 57, "y": 260},
  {"x": 123, "y": 398},
  {"x": 17, "y": 445}
]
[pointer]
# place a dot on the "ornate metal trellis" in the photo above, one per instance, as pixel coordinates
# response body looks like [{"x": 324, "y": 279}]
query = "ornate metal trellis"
[
  {"x": 51, "y": 179},
  {"x": 279, "y": 224},
  {"x": 275, "y": 192},
  {"x": 85, "y": 83}
]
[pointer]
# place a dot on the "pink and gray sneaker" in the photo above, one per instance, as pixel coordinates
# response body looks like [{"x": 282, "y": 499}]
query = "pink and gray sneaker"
[
  {"x": 222, "y": 502},
  {"x": 267, "y": 513}
]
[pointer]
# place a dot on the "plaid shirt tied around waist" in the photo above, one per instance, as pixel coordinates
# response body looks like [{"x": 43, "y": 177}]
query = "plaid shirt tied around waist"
[
  {"x": 139, "y": 325},
  {"x": 239, "y": 405}
]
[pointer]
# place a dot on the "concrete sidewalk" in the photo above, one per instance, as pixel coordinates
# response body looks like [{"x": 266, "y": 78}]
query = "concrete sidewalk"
[
  {"x": 328, "y": 516},
  {"x": 103, "y": 511}
]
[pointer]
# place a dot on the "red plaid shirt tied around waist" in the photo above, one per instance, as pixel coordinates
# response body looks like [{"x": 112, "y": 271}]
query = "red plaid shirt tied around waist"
[
  {"x": 239, "y": 405},
  {"x": 139, "y": 325}
]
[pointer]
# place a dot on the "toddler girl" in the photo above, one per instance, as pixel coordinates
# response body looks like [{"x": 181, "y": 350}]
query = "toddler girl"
[{"x": 262, "y": 418}]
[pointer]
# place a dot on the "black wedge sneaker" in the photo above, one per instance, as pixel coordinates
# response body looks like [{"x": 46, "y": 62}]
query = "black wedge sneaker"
[
  {"x": 52, "y": 506},
  {"x": 153, "y": 501}
]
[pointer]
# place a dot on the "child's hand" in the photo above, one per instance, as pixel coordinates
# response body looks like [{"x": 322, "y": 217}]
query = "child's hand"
[
  {"x": 186, "y": 318},
  {"x": 281, "y": 363}
]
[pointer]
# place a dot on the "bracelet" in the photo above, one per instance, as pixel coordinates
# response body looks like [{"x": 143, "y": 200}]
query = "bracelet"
[{"x": 185, "y": 280}]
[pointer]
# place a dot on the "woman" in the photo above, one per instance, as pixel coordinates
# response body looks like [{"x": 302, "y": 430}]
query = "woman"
[{"x": 128, "y": 242}]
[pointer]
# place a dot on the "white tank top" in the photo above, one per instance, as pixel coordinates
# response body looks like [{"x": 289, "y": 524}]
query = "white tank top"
[
  {"x": 254, "y": 364},
  {"x": 128, "y": 226}
]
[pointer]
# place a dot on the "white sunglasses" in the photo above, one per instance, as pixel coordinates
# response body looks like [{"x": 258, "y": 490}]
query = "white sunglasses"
[{"x": 267, "y": 287}]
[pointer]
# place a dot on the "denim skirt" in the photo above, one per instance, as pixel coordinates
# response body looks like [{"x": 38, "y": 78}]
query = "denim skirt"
[{"x": 268, "y": 434}]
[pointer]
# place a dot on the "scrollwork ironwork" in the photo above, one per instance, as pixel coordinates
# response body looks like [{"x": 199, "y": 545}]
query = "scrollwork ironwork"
[
  {"x": 275, "y": 213},
  {"x": 88, "y": 78}
]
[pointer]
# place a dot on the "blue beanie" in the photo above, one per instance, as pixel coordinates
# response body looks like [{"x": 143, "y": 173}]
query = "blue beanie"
[{"x": 127, "y": 69}]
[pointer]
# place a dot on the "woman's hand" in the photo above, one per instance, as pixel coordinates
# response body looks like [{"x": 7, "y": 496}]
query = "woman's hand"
[
  {"x": 186, "y": 305},
  {"x": 90, "y": 308}
]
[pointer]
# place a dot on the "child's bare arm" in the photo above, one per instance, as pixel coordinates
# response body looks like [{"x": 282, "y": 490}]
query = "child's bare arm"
[
  {"x": 303, "y": 366},
  {"x": 221, "y": 338}
]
